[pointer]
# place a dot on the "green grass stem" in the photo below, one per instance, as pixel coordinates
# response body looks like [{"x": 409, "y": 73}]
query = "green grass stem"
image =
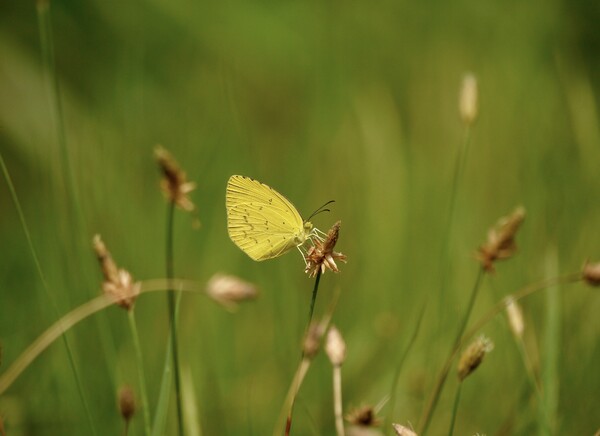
[
  {"x": 49, "y": 295},
  {"x": 140, "y": 369},
  {"x": 172, "y": 317},
  {"x": 430, "y": 408},
  {"x": 455, "y": 409}
]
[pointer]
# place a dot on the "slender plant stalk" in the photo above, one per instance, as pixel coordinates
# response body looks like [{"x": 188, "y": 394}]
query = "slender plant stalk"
[
  {"x": 140, "y": 367},
  {"x": 455, "y": 409},
  {"x": 66, "y": 322},
  {"x": 171, "y": 308},
  {"x": 313, "y": 299},
  {"x": 459, "y": 165},
  {"x": 398, "y": 370},
  {"x": 311, "y": 310},
  {"x": 337, "y": 400},
  {"x": 426, "y": 419},
  {"x": 495, "y": 310},
  {"x": 49, "y": 295}
]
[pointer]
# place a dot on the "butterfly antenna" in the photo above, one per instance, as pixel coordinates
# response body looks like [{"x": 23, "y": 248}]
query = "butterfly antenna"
[{"x": 321, "y": 209}]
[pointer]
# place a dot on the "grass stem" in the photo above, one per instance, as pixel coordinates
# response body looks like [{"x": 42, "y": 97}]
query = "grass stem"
[
  {"x": 337, "y": 400},
  {"x": 455, "y": 409},
  {"x": 172, "y": 317},
  {"x": 426, "y": 419},
  {"x": 140, "y": 368}
]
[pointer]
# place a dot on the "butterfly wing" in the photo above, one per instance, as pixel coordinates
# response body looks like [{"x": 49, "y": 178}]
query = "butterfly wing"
[{"x": 261, "y": 221}]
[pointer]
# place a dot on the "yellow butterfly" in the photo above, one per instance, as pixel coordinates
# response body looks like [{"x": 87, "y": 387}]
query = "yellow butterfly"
[{"x": 262, "y": 222}]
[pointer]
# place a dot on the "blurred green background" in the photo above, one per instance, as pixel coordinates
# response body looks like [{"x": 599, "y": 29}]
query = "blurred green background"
[{"x": 352, "y": 101}]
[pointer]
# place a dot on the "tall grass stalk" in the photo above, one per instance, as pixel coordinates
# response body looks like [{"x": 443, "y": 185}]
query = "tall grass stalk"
[
  {"x": 550, "y": 379},
  {"x": 171, "y": 308},
  {"x": 430, "y": 408},
  {"x": 398, "y": 369},
  {"x": 304, "y": 361},
  {"x": 444, "y": 263},
  {"x": 140, "y": 369},
  {"x": 49, "y": 295},
  {"x": 66, "y": 322},
  {"x": 455, "y": 409},
  {"x": 337, "y": 400}
]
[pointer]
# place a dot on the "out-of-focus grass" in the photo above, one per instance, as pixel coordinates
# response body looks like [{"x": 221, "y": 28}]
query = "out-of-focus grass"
[{"x": 353, "y": 102}]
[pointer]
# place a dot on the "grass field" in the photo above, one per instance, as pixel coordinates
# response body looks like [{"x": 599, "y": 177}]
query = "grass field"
[{"x": 356, "y": 102}]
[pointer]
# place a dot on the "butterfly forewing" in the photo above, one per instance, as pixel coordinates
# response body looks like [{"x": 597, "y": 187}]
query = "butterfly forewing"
[{"x": 261, "y": 221}]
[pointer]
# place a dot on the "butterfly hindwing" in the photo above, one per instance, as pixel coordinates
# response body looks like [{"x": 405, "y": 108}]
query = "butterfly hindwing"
[{"x": 261, "y": 221}]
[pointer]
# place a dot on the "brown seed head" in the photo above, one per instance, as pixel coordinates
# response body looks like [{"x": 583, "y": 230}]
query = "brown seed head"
[
  {"x": 501, "y": 240},
  {"x": 312, "y": 340},
  {"x": 127, "y": 404},
  {"x": 320, "y": 255},
  {"x": 2, "y": 431},
  {"x": 335, "y": 347},
  {"x": 229, "y": 290},
  {"x": 468, "y": 102},
  {"x": 364, "y": 416},
  {"x": 591, "y": 273},
  {"x": 403, "y": 431},
  {"x": 515, "y": 317},
  {"x": 118, "y": 283},
  {"x": 174, "y": 183},
  {"x": 473, "y": 356}
]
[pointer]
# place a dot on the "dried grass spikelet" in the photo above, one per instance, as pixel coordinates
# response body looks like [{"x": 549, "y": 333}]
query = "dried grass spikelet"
[
  {"x": 320, "y": 255},
  {"x": 501, "y": 240},
  {"x": 473, "y": 356},
  {"x": 363, "y": 416},
  {"x": 468, "y": 103},
  {"x": 118, "y": 283},
  {"x": 229, "y": 290},
  {"x": 591, "y": 273},
  {"x": 335, "y": 347},
  {"x": 174, "y": 183},
  {"x": 403, "y": 431},
  {"x": 515, "y": 317},
  {"x": 127, "y": 406},
  {"x": 312, "y": 340}
]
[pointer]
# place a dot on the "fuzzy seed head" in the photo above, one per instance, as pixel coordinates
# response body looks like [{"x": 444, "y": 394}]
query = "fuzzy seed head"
[
  {"x": 118, "y": 283},
  {"x": 127, "y": 405},
  {"x": 468, "y": 102},
  {"x": 312, "y": 341},
  {"x": 364, "y": 416},
  {"x": 473, "y": 356},
  {"x": 501, "y": 240},
  {"x": 515, "y": 317},
  {"x": 335, "y": 347},
  {"x": 229, "y": 290},
  {"x": 591, "y": 273},
  {"x": 403, "y": 431},
  {"x": 174, "y": 183},
  {"x": 320, "y": 255}
]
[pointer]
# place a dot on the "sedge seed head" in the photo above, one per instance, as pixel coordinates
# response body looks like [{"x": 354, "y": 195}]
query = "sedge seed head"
[
  {"x": 118, "y": 283},
  {"x": 468, "y": 103},
  {"x": 403, "y": 431},
  {"x": 473, "y": 356},
  {"x": 174, "y": 183},
  {"x": 591, "y": 273},
  {"x": 229, "y": 290},
  {"x": 515, "y": 317},
  {"x": 500, "y": 243},
  {"x": 312, "y": 340},
  {"x": 335, "y": 347},
  {"x": 320, "y": 255},
  {"x": 363, "y": 416},
  {"x": 127, "y": 405}
]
